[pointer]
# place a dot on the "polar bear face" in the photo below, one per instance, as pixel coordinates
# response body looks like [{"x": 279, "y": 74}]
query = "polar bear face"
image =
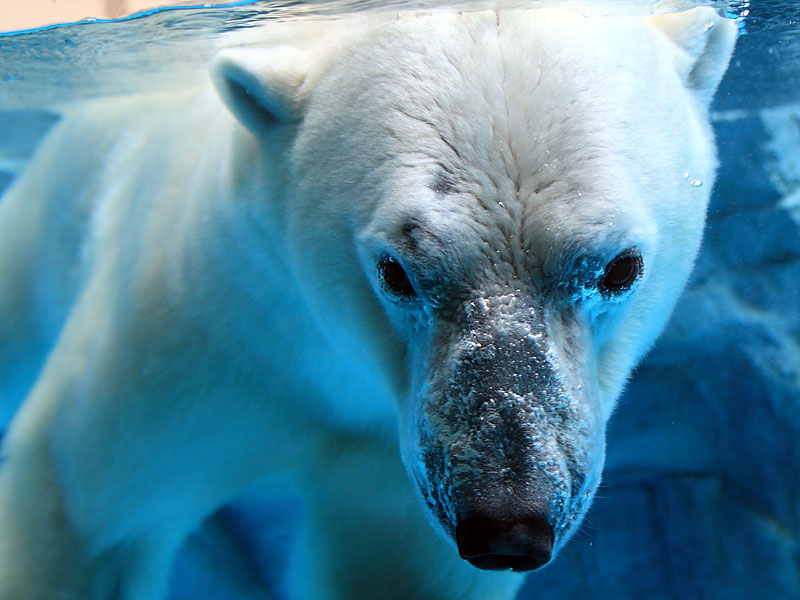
[{"x": 496, "y": 213}]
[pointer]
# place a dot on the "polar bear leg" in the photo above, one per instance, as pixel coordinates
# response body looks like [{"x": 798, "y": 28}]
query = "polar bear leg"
[
  {"x": 367, "y": 535},
  {"x": 39, "y": 551},
  {"x": 146, "y": 566}
]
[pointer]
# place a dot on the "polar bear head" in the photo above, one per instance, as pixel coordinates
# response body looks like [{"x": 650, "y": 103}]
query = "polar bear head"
[{"x": 495, "y": 213}]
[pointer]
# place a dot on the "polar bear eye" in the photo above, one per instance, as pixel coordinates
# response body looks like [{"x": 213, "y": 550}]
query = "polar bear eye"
[
  {"x": 621, "y": 273},
  {"x": 394, "y": 279}
]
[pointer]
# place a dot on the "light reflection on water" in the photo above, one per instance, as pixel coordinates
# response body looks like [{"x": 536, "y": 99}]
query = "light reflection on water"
[
  {"x": 165, "y": 48},
  {"x": 162, "y": 47}
]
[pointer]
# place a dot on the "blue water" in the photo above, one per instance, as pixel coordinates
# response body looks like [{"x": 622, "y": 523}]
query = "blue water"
[{"x": 701, "y": 494}]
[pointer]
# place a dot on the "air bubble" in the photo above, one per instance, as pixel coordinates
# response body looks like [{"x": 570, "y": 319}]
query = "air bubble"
[
  {"x": 708, "y": 26},
  {"x": 696, "y": 183}
]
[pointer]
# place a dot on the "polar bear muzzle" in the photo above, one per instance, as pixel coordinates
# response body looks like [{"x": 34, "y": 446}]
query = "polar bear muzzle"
[{"x": 509, "y": 440}]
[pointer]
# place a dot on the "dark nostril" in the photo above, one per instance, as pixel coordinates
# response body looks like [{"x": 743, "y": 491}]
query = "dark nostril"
[{"x": 521, "y": 544}]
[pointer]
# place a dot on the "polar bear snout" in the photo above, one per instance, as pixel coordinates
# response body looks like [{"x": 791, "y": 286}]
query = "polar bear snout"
[
  {"x": 519, "y": 544},
  {"x": 507, "y": 435}
]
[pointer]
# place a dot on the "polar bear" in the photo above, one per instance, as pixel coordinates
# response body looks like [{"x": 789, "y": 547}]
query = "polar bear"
[{"x": 452, "y": 234}]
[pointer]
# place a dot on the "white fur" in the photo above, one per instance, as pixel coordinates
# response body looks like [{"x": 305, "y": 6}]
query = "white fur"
[{"x": 200, "y": 303}]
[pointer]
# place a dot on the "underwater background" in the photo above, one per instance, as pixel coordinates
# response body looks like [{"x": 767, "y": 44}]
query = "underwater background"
[{"x": 701, "y": 491}]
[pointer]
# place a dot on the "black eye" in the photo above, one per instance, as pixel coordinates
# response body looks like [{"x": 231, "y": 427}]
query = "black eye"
[
  {"x": 393, "y": 278},
  {"x": 621, "y": 273}
]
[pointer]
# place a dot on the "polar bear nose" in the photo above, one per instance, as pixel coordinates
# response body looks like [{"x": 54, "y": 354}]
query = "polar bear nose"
[{"x": 521, "y": 544}]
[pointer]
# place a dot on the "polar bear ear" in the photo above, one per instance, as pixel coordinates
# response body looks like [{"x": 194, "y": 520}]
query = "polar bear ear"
[
  {"x": 705, "y": 41},
  {"x": 261, "y": 87}
]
